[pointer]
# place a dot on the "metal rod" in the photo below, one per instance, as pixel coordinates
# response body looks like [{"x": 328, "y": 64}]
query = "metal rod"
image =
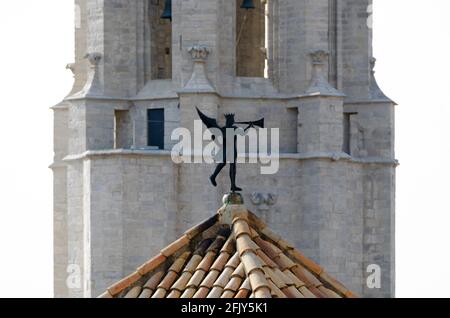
[{"x": 242, "y": 29}]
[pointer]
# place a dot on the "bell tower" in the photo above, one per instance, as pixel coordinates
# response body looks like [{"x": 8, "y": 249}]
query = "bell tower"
[{"x": 141, "y": 69}]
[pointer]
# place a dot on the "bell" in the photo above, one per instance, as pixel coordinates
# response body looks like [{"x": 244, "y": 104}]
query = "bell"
[
  {"x": 248, "y": 4},
  {"x": 167, "y": 14}
]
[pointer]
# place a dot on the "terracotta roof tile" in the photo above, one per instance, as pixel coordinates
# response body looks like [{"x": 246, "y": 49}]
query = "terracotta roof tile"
[
  {"x": 229, "y": 246},
  {"x": 106, "y": 294},
  {"x": 253, "y": 233},
  {"x": 312, "y": 266},
  {"x": 292, "y": 279},
  {"x": 224, "y": 278},
  {"x": 175, "y": 246},
  {"x": 207, "y": 261},
  {"x": 241, "y": 227},
  {"x": 134, "y": 292},
  {"x": 251, "y": 263},
  {"x": 263, "y": 292},
  {"x": 152, "y": 264},
  {"x": 181, "y": 283},
  {"x": 178, "y": 265},
  {"x": 246, "y": 285},
  {"x": 233, "y": 262},
  {"x": 306, "y": 292},
  {"x": 160, "y": 293},
  {"x": 266, "y": 259},
  {"x": 216, "y": 292},
  {"x": 292, "y": 292},
  {"x": 267, "y": 248},
  {"x": 244, "y": 290},
  {"x": 146, "y": 293},
  {"x": 168, "y": 280},
  {"x": 124, "y": 283},
  {"x": 174, "y": 294},
  {"x": 309, "y": 277},
  {"x": 233, "y": 284},
  {"x": 203, "y": 247},
  {"x": 276, "y": 292},
  {"x": 272, "y": 236},
  {"x": 333, "y": 283},
  {"x": 241, "y": 259},
  {"x": 227, "y": 294},
  {"x": 328, "y": 292},
  {"x": 220, "y": 262},
  {"x": 276, "y": 279},
  {"x": 218, "y": 243},
  {"x": 210, "y": 279},
  {"x": 154, "y": 280},
  {"x": 243, "y": 293},
  {"x": 189, "y": 293},
  {"x": 198, "y": 229},
  {"x": 239, "y": 271},
  {"x": 193, "y": 263},
  {"x": 349, "y": 294},
  {"x": 202, "y": 292},
  {"x": 246, "y": 244},
  {"x": 196, "y": 279},
  {"x": 284, "y": 262}
]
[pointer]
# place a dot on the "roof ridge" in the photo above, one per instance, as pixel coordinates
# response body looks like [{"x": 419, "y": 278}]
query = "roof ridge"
[{"x": 247, "y": 250}]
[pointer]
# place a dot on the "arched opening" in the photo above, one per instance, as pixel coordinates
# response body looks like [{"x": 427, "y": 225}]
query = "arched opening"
[
  {"x": 252, "y": 38},
  {"x": 161, "y": 39}
]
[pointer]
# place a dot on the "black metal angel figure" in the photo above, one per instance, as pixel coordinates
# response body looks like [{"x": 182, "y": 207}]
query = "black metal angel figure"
[{"x": 230, "y": 124}]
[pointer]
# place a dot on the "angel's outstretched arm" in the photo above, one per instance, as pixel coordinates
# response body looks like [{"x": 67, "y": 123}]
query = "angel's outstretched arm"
[{"x": 249, "y": 126}]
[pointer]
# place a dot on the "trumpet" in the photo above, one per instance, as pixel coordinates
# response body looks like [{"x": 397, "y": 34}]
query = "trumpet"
[{"x": 258, "y": 123}]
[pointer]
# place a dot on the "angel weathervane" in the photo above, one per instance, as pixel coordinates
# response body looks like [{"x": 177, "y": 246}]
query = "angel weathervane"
[{"x": 211, "y": 123}]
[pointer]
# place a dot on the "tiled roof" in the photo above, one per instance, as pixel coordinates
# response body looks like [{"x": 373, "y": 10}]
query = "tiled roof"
[{"x": 231, "y": 255}]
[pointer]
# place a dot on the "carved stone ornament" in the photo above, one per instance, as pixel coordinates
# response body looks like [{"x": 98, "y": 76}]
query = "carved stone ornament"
[
  {"x": 199, "y": 82},
  {"x": 264, "y": 201},
  {"x": 71, "y": 67},
  {"x": 199, "y": 52},
  {"x": 93, "y": 85},
  {"x": 319, "y": 57},
  {"x": 93, "y": 58},
  {"x": 376, "y": 94},
  {"x": 319, "y": 82}
]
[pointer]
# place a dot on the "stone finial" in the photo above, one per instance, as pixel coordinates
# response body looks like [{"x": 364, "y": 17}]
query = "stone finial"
[
  {"x": 71, "y": 67},
  {"x": 93, "y": 58},
  {"x": 93, "y": 85},
  {"x": 373, "y": 62},
  {"x": 199, "y": 82},
  {"x": 376, "y": 94},
  {"x": 199, "y": 53},
  {"x": 319, "y": 82},
  {"x": 319, "y": 57},
  {"x": 233, "y": 206},
  {"x": 233, "y": 198}
]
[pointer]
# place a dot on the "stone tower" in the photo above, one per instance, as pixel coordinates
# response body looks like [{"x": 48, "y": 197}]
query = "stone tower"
[{"x": 306, "y": 66}]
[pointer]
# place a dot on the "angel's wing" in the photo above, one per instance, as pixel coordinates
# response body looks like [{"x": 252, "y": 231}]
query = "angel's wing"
[{"x": 209, "y": 122}]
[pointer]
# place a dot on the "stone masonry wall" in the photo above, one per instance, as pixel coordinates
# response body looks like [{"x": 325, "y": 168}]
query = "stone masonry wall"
[
  {"x": 140, "y": 203},
  {"x": 115, "y": 208}
]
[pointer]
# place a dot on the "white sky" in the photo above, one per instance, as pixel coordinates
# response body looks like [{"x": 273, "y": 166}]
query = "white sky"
[{"x": 412, "y": 41}]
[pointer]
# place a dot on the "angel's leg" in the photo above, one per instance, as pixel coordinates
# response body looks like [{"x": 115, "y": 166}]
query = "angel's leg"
[
  {"x": 219, "y": 168},
  {"x": 234, "y": 188}
]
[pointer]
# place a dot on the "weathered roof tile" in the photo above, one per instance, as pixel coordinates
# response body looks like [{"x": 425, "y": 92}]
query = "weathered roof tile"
[{"x": 244, "y": 259}]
